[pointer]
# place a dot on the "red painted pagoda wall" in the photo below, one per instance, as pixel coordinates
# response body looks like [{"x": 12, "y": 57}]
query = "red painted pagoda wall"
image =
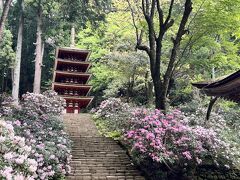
[{"x": 71, "y": 77}]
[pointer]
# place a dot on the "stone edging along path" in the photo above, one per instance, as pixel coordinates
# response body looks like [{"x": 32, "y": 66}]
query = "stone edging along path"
[{"x": 95, "y": 156}]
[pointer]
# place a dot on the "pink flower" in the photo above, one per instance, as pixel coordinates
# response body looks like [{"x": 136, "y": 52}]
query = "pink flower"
[
  {"x": 51, "y": 173},
  {"x": 9, "y": 127},
  {"x": 30, "y": 178},
  {"x": 169, "y": 116},
  {"x": 2, "y": 139},
  {"x": 150, "y": 136},
  {"x": 18, "y": 123},
  {"x": 187, "y": 155},
  {"x": 165, "y": 122},
  {"x": 20, "y": 159},
  {"x": 130, "y": 134},
  {"x": 41, "y": 146},
  {"x": 19, "y": 177},
  {"x": 199, "y": 161},
  {"x": 8, "y": 156},
  {"x": 52, "y": 156},
  {"x": 19, "y": 140},
  {"x": 7, "y": 172},
  {"x": 32, "y": 168}
]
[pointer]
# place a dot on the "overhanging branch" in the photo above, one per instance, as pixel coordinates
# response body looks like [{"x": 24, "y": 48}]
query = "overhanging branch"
[
  {"x": 177, "y": 40},
  {"x": 143, "y": 48},
  {"x": 169, "y": 13}
]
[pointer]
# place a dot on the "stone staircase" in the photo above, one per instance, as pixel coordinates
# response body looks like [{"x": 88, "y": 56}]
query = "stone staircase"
[{"x": 94, "y": 156}]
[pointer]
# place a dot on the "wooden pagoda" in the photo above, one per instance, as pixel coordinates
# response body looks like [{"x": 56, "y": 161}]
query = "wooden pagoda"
[
  {"x": 71, "y": 76},
  {"x": 227, "y": 88}
]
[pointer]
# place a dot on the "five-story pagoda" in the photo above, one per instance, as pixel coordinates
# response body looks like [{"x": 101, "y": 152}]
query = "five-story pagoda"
[{"x": 71, "y": 77}]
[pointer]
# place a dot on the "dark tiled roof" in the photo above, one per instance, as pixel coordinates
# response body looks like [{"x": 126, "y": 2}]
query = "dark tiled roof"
[{"x": 227, "y": 88}]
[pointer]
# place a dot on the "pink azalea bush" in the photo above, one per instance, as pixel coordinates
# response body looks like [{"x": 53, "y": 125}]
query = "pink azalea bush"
[
  {"x": 43, "y": 105},
  {"x": 5, "y": 105},
  {"x": 38, "y": 122},
  {"x": 219, "y": 123},
  {"x": 172, "y": 145},
  {"x": 50, "y": 144},
  {"x": 112, "y": 112},
  {"x": 170, "y": 140},
  {"x": 109, "y": 107},
  {"x": 15, "y": 160}
]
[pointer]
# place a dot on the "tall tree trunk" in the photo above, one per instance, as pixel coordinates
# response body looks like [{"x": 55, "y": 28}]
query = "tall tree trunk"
[
  {"x": 4, "y": 17},
  {"x": 39, "y": 56},
  {"x": 160, "y": 98},
  {"x": 16, "y": 70},
  {"x": 1, "y": 6}
]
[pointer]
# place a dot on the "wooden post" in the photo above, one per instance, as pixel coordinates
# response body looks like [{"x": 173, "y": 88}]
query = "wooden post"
[
  {"x": 212, "y": 101},
  {"x": 210, "y": 106}
]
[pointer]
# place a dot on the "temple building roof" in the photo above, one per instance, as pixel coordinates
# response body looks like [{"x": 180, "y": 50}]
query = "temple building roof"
[{"x": 227, "y": 88}]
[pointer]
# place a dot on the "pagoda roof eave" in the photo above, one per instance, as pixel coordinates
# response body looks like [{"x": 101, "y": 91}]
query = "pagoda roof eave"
[
  {"x": 79, "y": 98},
  {"x": 72, "y": 85},
  {"x": 73, "y": 73},
  {"x": 77, "y": 86},
  {"x": 66, "y": 61},
  {"x": 73, "y": 49}
]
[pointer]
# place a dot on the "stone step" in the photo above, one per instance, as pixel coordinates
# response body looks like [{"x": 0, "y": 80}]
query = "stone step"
[
  {"x": 107, "y": 161},
  {"x": 101, "y": 166},
  {"x": 90, "y": 168},
  {"x": 101, "y": 152},
  {"x": 92, "y": 138},
  {"x": 95, "y": 156},
  {"x": 105, "y": 177},
  {"x": 108, "y": 172},
  {"x": 100, "y": 156}
]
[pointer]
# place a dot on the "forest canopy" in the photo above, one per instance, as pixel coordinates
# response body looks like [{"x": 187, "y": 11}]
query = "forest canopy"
[{"x": 116, "y": 32}]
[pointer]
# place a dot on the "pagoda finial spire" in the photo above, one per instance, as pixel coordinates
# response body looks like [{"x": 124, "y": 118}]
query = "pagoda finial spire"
[{"x": 72, "y": 37}]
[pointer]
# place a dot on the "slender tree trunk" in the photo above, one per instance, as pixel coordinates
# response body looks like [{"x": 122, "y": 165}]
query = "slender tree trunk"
[
  {"x": 4, "y": 17},
  {"x": 130, "y": 86},
  {"x": 39, "y": 56},
  {"x": 16, "y": 70},
  {"x": 150, "y": 92},
  {"x": 1, "y": 6},
  {"x": 148, "y": 89},
  {"x": 72, "y": 45},
  {"x": 149, "y": 85}
]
